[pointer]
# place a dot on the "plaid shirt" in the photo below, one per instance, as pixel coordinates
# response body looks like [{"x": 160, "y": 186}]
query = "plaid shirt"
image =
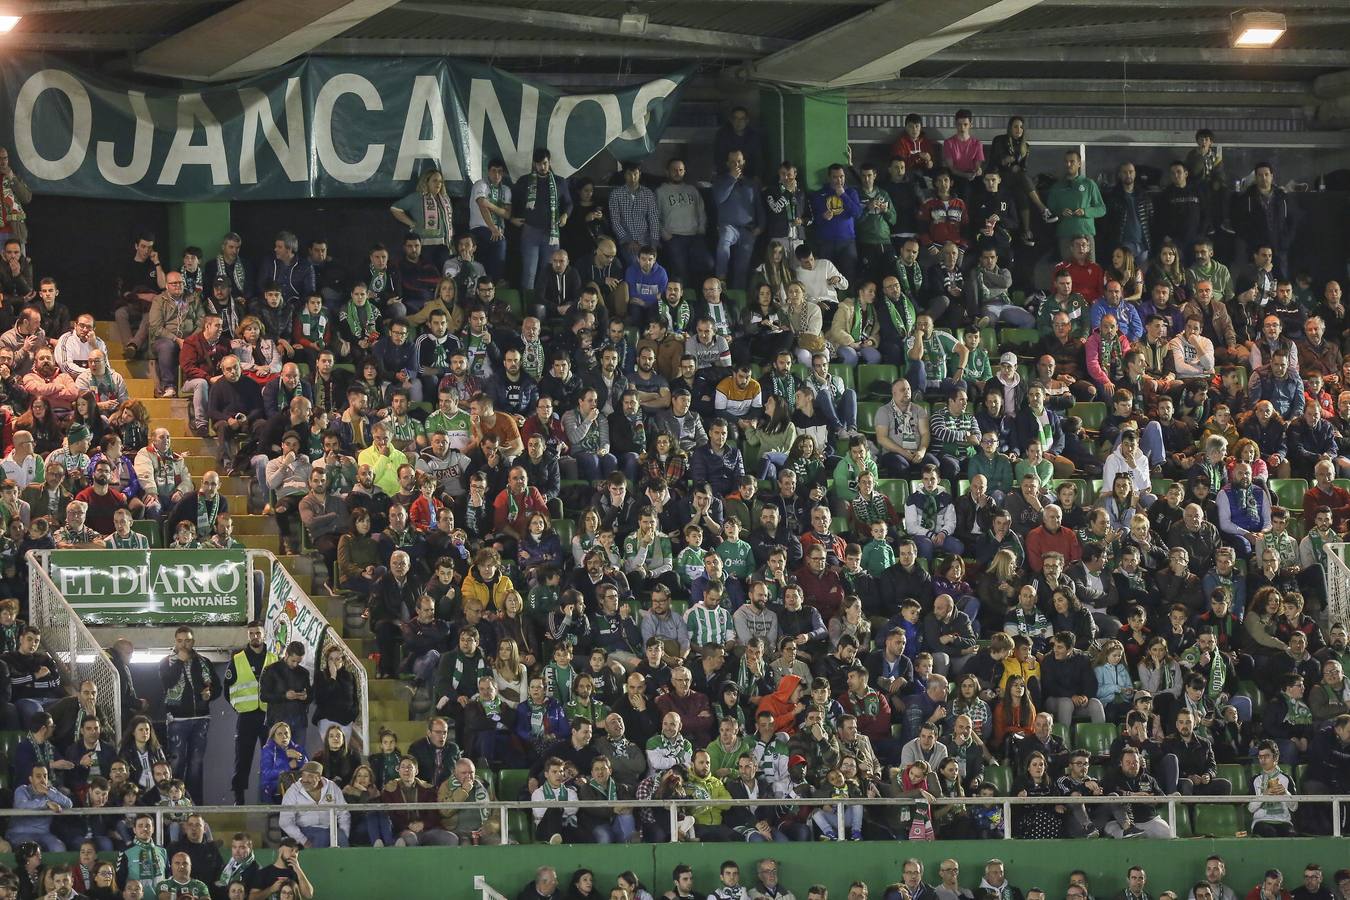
[{"x": 635, "y": 217}]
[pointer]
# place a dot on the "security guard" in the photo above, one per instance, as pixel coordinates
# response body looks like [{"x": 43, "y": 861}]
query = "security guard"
[{"x": 241, "y": 686}]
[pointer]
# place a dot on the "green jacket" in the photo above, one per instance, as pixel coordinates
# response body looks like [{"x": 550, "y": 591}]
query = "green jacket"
[
  {"x": 875, "y": 227},
  {"x": 1217, "y": 275},
  {"x": 1077, "y": 193},
  {"x": 846, "y": 476},
  {"x": 997, "y": 471},
  {"x": 1076, "y": 308}
]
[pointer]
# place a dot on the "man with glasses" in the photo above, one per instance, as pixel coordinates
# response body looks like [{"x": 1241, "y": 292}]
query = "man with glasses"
[
  {"x": 173, "y": 316},
  {"x": 949, "y": 888},
  {"x": 74, "y": 347},
  {"x": 233, "y": 404}
]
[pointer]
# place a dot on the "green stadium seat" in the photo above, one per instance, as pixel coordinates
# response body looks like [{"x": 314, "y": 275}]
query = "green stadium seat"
[
  {"x": 1237, "y": 776},
  {"x": 149, "y": 528},
  {"x": 1000, "y": 777},
  {"x": 867, "y": 413},
  {"x": 1061, "y": 729},
  {"x": 876, "y": 380},
  {"x": 1182, "y": 826},
  {"x": 1341, "y": 482},
  {"x": 1220, "y": 820},
  {"x": 897, "y": 489},
  {"x": 510, "y": 782},
  {"x": 1160, "y": 486},
  {"x": 513, "y": 297},
  {"x": 1252, "y": 690},
  {"x": 1095, "y": 737},
  {"x": 1092, "y": 414},
  {"x": 1289, "y": 492},
  {"x": 565, "y": 528},
  {"x": 735, "y": 295},
  {"x": 1016, "y": 337}
]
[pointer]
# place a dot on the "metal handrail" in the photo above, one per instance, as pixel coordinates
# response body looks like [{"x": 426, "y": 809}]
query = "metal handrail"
[
  {"x": 86, "y": 654},
  {"x": 503, "y": 807}
]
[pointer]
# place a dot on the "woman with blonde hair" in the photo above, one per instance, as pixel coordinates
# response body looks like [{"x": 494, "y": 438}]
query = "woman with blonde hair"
[
  {"x": 807, "y": 322},
  {"x": 258, "y": 355},
  {"x": 427, "y": 213},
  {"x": 508, "y": 670},
  {"x": 775, "y": 272}
]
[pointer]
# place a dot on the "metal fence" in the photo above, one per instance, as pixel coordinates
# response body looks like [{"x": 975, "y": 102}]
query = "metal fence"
[
  {"x": 673, "y": 808},
  {"x": 69, "y": 642}
]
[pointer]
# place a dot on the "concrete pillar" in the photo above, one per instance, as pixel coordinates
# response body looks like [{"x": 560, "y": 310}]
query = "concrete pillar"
[
  {"x": 809, "y": 128},
  {"x": 196, "y": 224}
]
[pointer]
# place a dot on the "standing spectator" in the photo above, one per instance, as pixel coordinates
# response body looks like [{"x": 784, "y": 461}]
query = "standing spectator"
[
  {"x": 634, "y": 214},
  {"x": 428, "y": 214},
  {"x": 285, "y": 688},
  {"x": 1078, "y": 203},
  {"x": 190, "y": 684},
  {"x": 740, "y": 220},
  {"x": 540, "y": 205},
  {"x": 684, "y": 222},
  {"x": 1264, "y": 217}
]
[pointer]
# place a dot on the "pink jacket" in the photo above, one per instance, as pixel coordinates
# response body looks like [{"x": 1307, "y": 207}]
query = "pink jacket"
[{"x": 1093, "y": 351}]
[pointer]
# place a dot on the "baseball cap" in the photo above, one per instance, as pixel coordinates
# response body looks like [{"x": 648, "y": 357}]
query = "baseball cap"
[{"x": 1008, "y": 359}]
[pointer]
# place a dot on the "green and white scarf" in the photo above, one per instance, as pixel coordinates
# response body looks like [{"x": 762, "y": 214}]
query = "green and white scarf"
[{"x": 532, "y": 197}]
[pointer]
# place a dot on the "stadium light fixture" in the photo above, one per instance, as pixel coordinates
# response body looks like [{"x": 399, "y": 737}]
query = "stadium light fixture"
[
  {"x": 7, "y": 23},
  {"x": 1257, "y": 28}
]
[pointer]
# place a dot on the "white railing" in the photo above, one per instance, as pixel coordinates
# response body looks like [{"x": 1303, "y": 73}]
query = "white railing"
[
  {"x": 69, "y": 641},
  {"x": 501, "y": 808},
  {"x": 1338, "y": 584},
  {"x": 307, "y": 623},
  {"x": 487, "y": 891}
]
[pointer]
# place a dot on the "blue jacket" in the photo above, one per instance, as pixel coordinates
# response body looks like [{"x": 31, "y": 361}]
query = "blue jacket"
[
  {"x": 646, "y": 287},
  {"x": 276, "y": 763},
  {"x": 1127, "y": 318},
  {"x": 1112, "y": 680},
  {"x": 555, "y": 722},
  {"x": 841, "y": 226},
  {"x": 737, "y": 202},
  {"x": 1285, "y": 394},
  {"x": 722, "y": 470}
]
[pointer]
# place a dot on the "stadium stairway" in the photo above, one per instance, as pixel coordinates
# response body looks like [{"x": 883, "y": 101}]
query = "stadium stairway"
[{"x": 389, "y": 699}]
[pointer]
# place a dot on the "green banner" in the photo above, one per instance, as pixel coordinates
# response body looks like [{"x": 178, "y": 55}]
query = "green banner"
[
  {"x": 153, "y": 587},
  {"x": 318, "y": 127}
]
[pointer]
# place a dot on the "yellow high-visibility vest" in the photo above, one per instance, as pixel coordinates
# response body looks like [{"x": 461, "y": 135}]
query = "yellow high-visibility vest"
[{"x": 244, "y": 691}]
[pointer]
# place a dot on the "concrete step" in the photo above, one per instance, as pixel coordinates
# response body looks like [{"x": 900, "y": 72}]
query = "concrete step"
[
  {"x": 136, "y": 386},
  {"x": 252, "y": 525},
  {"x": 200, "y": 465},
  {"x": 389, "y": 689},
  {"x": 167, "y": 409},
  {"x": 382, "y": 711},
  {"x": 407, "y": 731}
]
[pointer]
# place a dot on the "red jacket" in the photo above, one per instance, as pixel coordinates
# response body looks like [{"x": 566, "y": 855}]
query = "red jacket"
[
  {"x": 429, "y": 818},
  {"x": 944, "y": 220},
  {"x": 1041, "y": 542},
  {"x": 824, "y": 592},
  {"x": 1088, "y": 278},
  {"x": 198, "y": 359},
  {"x": 1337, "y": 500}
]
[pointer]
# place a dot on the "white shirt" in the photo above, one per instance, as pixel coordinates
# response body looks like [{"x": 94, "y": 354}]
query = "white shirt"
[{"x": 816, "y": 281}]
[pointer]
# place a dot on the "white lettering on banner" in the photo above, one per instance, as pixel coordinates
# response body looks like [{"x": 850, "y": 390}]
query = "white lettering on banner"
[
  {"x": 485, "y": 104},
  {"x": 650, "y": 92},
  {"x": 290, "y": 149},
  {"x": 81, "y": 124},
  {"x": 292, "y": 616},
  {"x": 337, "y": 167},
  {"x": 120, "y": 580},
  {"x": 557, "y": 129},
  {"x": 425, "y": 101},
  {"x": 200, "y": 579},
  {"x": 142, "y": 146},
  {"x": 183, "y": 152}
]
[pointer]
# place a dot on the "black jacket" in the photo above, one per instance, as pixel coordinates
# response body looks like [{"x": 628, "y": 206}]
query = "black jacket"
[
  {"x": 1194, "y": 758},
  {"x": 1071, "y": 676},
  {"x": 183, "y": 684},
  {"x": 277, "y": 679},
  {"x": 335, "y": 698},
  {"x": 747, "y": 816}
]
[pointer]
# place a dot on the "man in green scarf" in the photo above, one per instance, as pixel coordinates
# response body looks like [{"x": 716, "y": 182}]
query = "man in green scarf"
[{"x": 540, "y": 204}]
